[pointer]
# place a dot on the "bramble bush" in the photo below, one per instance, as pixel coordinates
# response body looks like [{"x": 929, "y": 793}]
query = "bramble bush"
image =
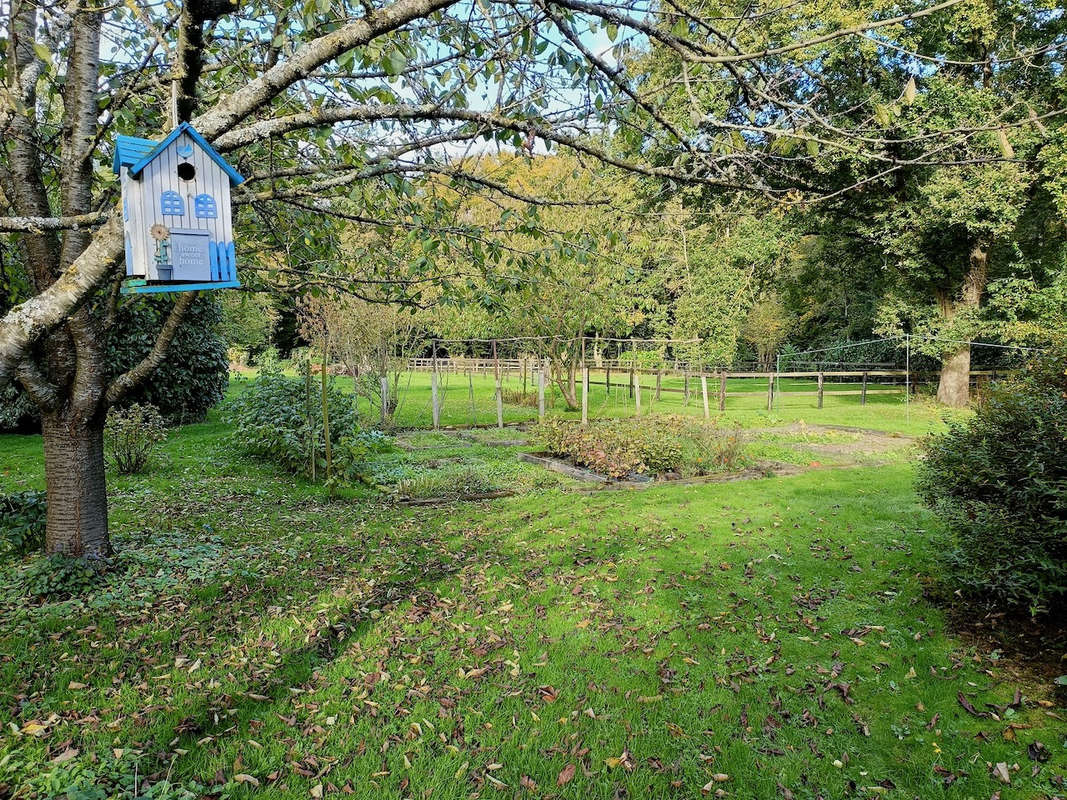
[
  {"x": 653, "y": 445},
  {"x": 999, "y": 482},
  {"x": 131, "y": 435}
]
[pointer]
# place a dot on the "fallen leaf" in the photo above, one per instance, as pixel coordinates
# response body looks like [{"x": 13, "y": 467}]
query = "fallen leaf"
[
  {"x": 566, "y": 775},
  {"x": 243, "y": 778},
  {"x": 1000, "y": 772},
  {"x": 65, "y": 756}
]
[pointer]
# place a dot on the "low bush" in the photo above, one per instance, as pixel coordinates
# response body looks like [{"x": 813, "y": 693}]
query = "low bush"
[
  {"x": 279, "y": 419},
  {"x": 999, "y": 482},
  {"x": 131, "y": 436},
  {"x": 462, "y": 480},
  {"x": 22, "y": 522},
  {"x": 517, "y": 397},
  {"x": 652, "y": 445}
]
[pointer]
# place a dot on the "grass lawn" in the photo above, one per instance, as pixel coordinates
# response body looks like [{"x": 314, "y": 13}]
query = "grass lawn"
[{"x": 758, "y": 639}]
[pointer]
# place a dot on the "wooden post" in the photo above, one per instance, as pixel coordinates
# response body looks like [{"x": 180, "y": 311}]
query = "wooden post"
[
  {"x": 685, "y": 387},
  {"x": 499, "y": 389},
  {"x": 607, "y": 380},
  {"x": 722, "y": 390},
  {"x": 770, "y": 393},
  {"x": 385, "y": 398},
  {"x": 863, "y": 391},
  {"x": 659, "y": 381},
  {"x": 637, "y": 392},
  {"x": 585, "y": 395},
  {"x": 541, "y": 392},
  {"x": 470, "y": 394},
  {"x": 435, "y": 407},
  {"x": 633, "y": 365},
  {"x": 435, "y": 402},
  {"x": 525, "y": 362},
  {"x": 820, "y": 388},
  {"x": 704, "y": 394}
]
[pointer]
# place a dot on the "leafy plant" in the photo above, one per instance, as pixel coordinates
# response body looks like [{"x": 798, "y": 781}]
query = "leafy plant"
[
  {"x": 22, "y": 522},
  {"x": 999, "y": 481},
  {"x": 130, "y": 437},
  {"x": 279, "y": 419},
  {"x": 57, "y": 576}
]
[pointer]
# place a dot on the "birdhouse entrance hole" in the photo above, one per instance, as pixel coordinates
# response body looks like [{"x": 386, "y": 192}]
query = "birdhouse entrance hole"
[{"x": 186, "y": 171}]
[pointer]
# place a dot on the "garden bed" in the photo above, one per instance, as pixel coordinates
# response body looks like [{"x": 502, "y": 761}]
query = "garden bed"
[{"x": 639, "y": 450}]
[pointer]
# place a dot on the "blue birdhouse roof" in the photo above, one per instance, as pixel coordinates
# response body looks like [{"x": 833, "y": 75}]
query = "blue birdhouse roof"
[{"x": 136, "y": 153}]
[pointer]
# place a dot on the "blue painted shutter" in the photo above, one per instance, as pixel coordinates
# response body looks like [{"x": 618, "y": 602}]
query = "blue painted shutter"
[
  {"x": 205, "y": 207},
  {"x": 170, "y": 203}
]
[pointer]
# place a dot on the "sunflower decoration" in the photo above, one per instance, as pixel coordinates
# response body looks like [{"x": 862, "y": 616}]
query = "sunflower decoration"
[{"x": 159, "y": 232}]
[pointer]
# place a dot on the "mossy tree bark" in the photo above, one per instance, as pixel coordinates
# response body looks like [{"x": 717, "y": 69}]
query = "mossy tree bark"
[{"x": 953, "y": 388}]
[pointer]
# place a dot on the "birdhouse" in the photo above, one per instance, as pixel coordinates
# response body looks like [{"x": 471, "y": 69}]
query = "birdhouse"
[{"x": 176, "y": 213}]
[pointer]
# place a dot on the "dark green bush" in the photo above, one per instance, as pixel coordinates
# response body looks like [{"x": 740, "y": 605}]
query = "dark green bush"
[
  {"x": 193, "y": 377},
  {"x": 999, "y": 481},
  {"x": 279, "y": 419},
  {"x": 190, "y": 380},
  {"x": 22, "y": 521}
]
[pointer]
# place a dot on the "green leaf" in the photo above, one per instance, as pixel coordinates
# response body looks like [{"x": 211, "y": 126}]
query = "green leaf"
[{"x": 394, "y": 62}]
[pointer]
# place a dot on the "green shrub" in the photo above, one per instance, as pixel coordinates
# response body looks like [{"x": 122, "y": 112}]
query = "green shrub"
[
  {"x": 130, "y": 437},
  {"x": 655, "y": 445},
  {"x": 999, "y": 481},
  {"x": 190, "y": 380},
  {"x": 22, "y": 523},
  {"x": 279, "y": 419},
  {"x": 193, "y": 376}
]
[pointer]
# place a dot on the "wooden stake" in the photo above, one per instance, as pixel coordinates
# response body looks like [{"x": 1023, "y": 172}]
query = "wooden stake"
[
  {"x": 637, "y": 392},
  {"x": 704, "y": 394},
  {"x": 770, "y": 393},
  {"x": 470, "y": 389},
  {"x": 659, "y": 382},
  {"x": 722, "y": 391},
  {"x": 820, "y": 388},
  {"x": 385, "y": 398},
  {"x": 541, "y": 392},
  {"x": 499, "y": 404},
  {"x": 326, "y": 416},
  {"x": 435, "y": 405},
  {"x": 863, "y": 391},
  {"x": 585, "y": 395}
]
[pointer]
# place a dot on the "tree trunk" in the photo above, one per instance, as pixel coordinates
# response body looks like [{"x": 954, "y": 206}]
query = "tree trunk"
[
  {"x": 953, "y": 387},
  {"x": 76, "y": 490}
]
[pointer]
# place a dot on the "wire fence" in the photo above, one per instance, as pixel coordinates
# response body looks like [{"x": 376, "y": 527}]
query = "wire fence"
[{"x": 495, "y": 382}]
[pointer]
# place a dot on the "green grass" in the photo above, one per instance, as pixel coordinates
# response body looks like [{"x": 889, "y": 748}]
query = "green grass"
[{"x": 773, "y": 631}]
